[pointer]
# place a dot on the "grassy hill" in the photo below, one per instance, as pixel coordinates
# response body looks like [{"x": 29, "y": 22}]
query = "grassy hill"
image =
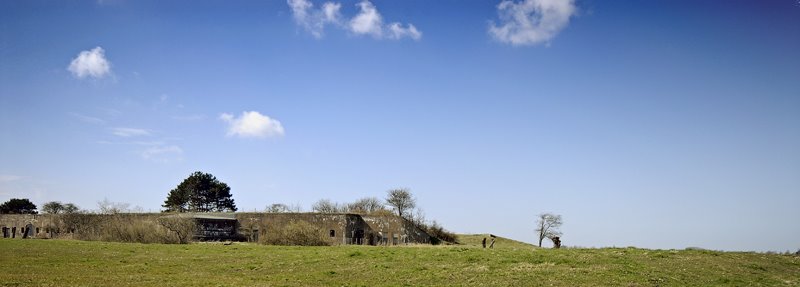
[
  {"x": 474, "y": 240},
  {"x": 81, "y": 263}
]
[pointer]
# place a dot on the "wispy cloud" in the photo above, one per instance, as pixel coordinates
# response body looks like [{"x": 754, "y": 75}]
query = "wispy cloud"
[
  {"x": 163, "y": 153},
  {"x": 189, "y": 117},
  {"x": 396, "y": 31},
  {"x": 90, "y": 63},
  {"x": 130, "y": 132},
  {"x": 368, "y": 21},
  {"x": 252, "y": 124},
  {"x": 139, "y": 143},
  {"x": 157, "y": 151},
  {"x": 314, "y": 20},
  {"x": 14, "y": 186},
  {"x": 531, "y": 22},
  {"x": 88, "y": 119},
  {"x": 110, "y": 112},
  {"x": 9, "y": 178}
]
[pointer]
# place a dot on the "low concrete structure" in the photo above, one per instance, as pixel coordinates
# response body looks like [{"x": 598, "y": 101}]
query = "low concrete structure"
[{"x": 339, "y": 228}]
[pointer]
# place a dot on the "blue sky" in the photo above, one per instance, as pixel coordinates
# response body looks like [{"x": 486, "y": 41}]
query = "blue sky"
[{"x": 658, "y": 124}]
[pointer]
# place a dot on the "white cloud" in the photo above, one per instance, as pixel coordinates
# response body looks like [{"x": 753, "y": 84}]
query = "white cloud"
[
  {"x": 130, "y": 132},
  {"x": 300, "y": 9},
  {"x": 314, "y": 20},
  {"x": 163, "y": 153},
  {"x": 9, "y": 178},
  {"x": 91, "y": 63},
  {"x": 252, "y": 124},
  {"x": 330, "y": 12},
  {"x": 398, "y": 32},
  {"x": 531, "y": 22},
  {"x": 368, "y": 21}
]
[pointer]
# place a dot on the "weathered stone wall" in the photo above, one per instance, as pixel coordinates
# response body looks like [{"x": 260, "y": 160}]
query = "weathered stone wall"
[
  {"x": 394, "y": 230},
  {"x": 61, "y": 225},
  {"x": 43, "y": 225},
  {"x": 255, "y": 225},
  {"x": 339, "y": 228}
]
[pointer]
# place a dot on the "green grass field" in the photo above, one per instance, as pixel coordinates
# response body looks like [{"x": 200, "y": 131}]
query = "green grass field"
[{"x": 510, "y": 263}]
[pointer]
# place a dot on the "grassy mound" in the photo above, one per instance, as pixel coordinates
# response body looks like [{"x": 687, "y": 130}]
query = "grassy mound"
[
  {"x": 500, "y": 242},
  {"x": 92, "y": 263}
]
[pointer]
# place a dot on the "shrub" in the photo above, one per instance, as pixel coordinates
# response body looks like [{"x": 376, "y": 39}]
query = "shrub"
[
  {"x": 440, "y": 234},
  {"x": 130, "y": 229},
  {"x": 123, "y": 228},
  {"x": 300, "y": 233},
  {"x": 183, "y": 227}
]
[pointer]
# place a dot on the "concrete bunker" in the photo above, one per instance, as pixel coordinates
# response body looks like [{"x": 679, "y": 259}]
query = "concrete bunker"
[{"x": 337, "y": 228}]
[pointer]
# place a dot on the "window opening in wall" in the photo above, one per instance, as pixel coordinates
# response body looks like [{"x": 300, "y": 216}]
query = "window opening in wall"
[{"x": 333, "y": 233}]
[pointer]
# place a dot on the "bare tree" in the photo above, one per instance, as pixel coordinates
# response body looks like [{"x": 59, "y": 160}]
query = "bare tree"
[
  {"x": 327, "y": 206},
  {"x": 418, "y": 217},
  {"x": 296, "y": 208},
  {"x": 547, "y": 226},
  {"x": 108, "y": 207},
  {"x": 277, "y": 208},
  {"x": 183, "y": 226},
  {"x": 401, "y": 200},
  {"x": 366, "y": 205}
]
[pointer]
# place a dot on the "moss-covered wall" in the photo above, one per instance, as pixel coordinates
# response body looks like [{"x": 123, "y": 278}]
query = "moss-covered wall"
[{"x": 339, "y": 228}]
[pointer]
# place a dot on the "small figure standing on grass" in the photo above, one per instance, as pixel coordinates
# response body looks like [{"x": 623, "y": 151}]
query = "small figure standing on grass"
[
  {"x": 493, "y": 237},
  {"x": 556, "y": 242},
  {"x": 484, "y": 242}
]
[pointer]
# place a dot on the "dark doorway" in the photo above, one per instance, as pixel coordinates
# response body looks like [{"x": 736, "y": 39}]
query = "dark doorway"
[
  {"x": 27, "y": 232},
  {"x": 358, "y": 237}
]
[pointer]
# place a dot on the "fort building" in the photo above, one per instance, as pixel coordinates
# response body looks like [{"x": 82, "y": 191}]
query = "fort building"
[{"x": 338, "y": 228}]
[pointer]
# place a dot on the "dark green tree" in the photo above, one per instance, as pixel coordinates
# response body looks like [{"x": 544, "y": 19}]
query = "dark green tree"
[
  {"x": 18, "y": 206},
  {"x": 53, "y": 207},
  {"x": 71, "y": 208},
  {"x": 56, "y": 207},
  {"x": 200, "y": 192}
]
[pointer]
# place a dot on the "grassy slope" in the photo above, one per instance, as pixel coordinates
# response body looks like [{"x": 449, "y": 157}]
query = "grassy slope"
[
  {"x": 79, "y": 263},
  {"x": 500, "y": 242}
]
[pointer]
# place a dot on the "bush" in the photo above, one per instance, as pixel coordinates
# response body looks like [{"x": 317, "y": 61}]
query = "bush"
[
  {"x": 182, "y": 227},
  {"x": 299, "y": 233},
  {"x": 440, "y": 234},
  {"x": 123, "y": 228},
  {"x": 131, "y": 229}
]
